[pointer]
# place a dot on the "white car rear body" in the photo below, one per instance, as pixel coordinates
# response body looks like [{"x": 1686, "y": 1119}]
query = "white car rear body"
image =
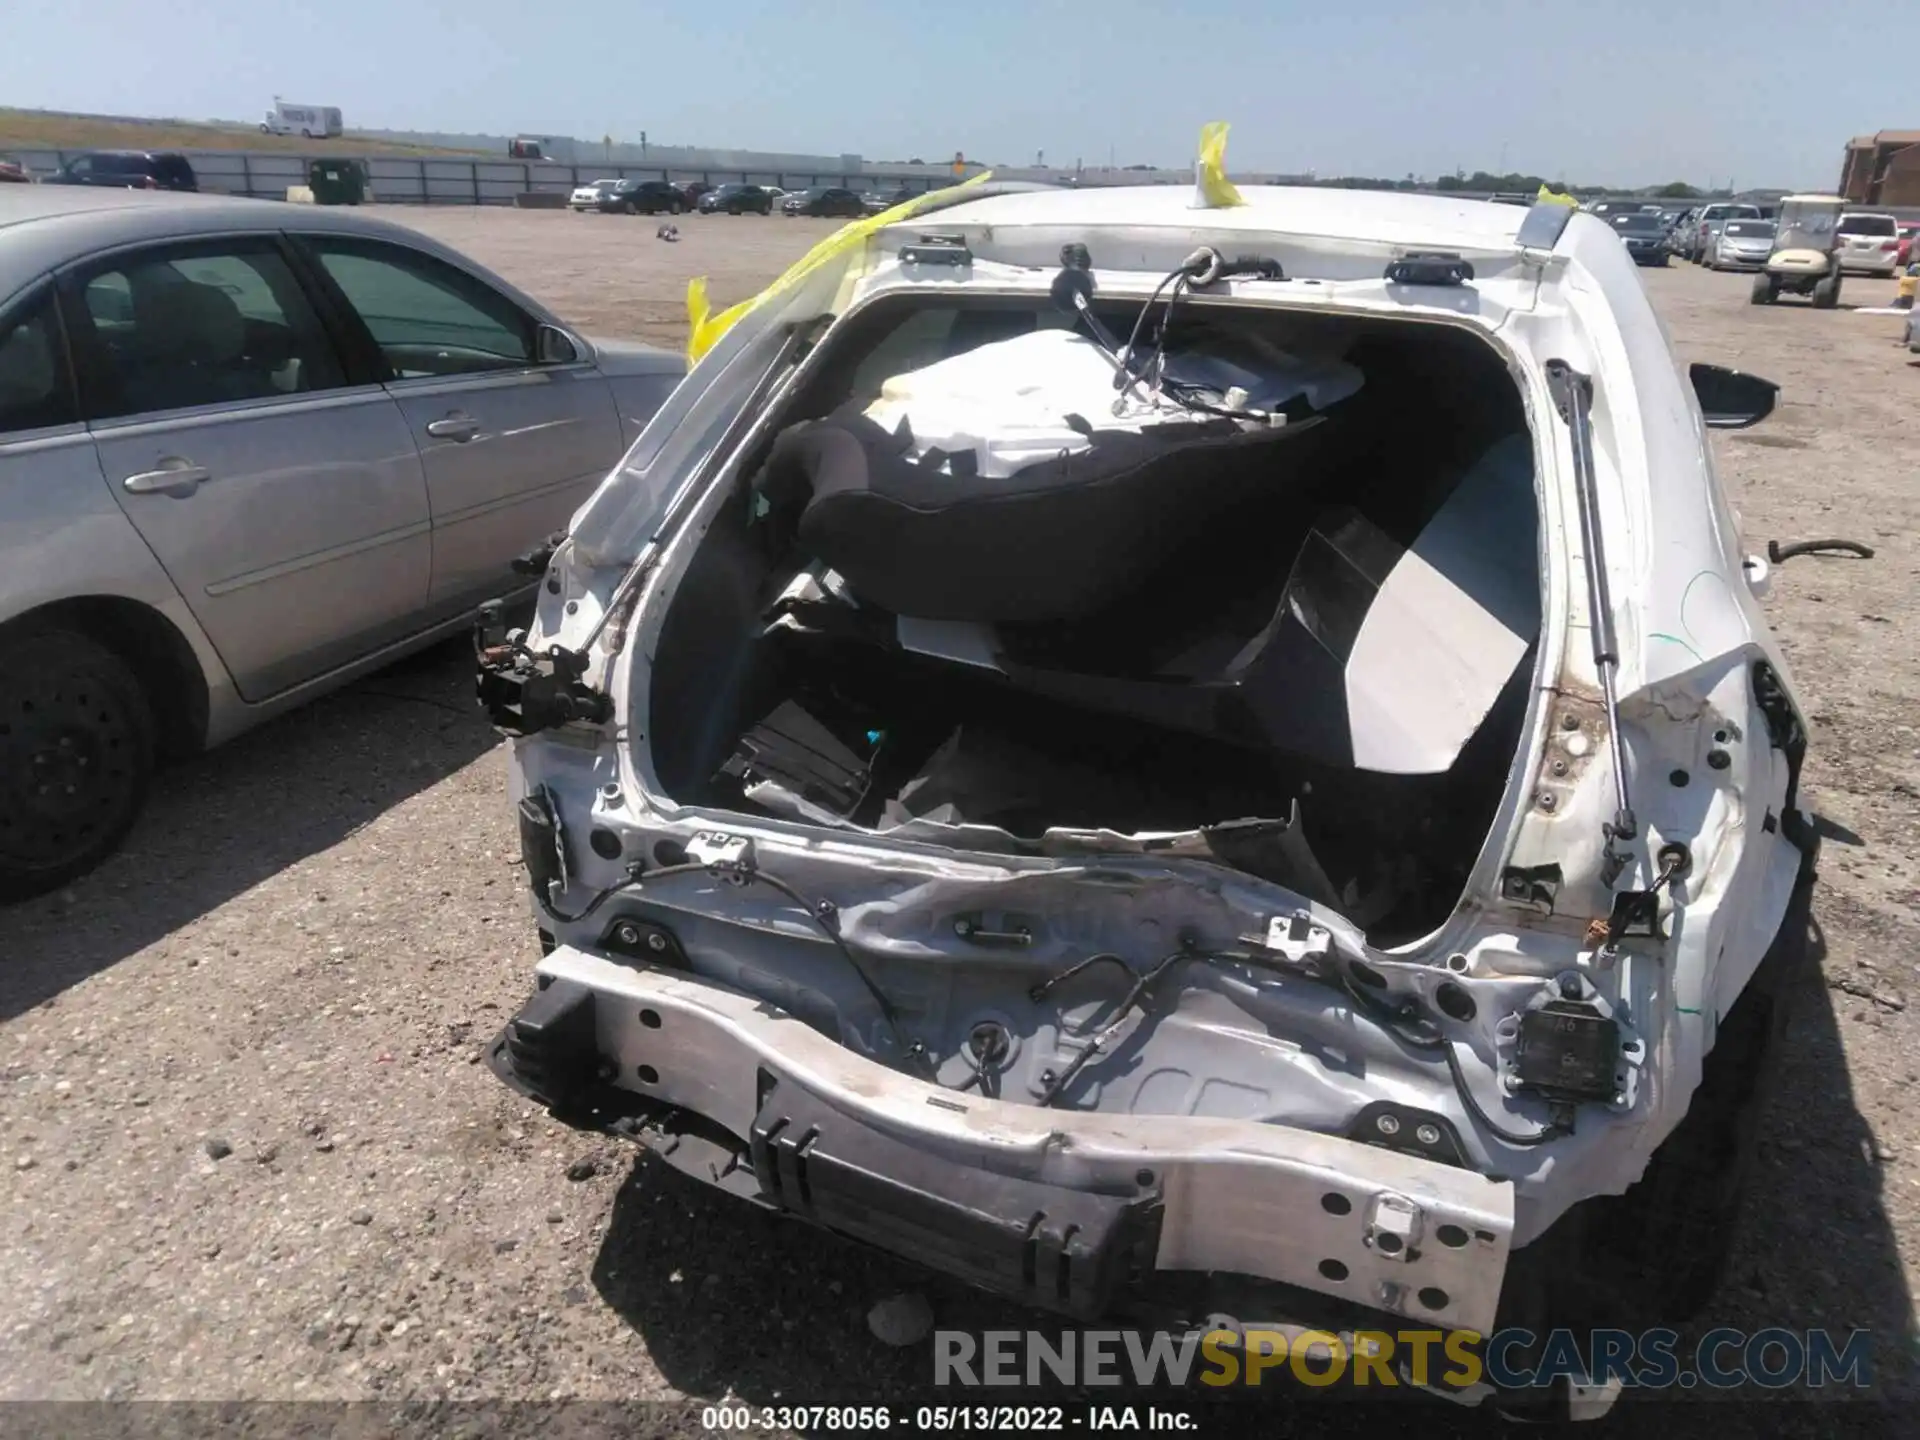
[{"x": 1263, "y": 1082}]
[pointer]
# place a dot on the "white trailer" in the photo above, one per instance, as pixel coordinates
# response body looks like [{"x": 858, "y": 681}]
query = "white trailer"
[{"x": 317, "y": 122}]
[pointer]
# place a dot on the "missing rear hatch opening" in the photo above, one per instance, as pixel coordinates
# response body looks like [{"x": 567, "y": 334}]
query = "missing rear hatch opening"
[{"x": 955, "y": 599}]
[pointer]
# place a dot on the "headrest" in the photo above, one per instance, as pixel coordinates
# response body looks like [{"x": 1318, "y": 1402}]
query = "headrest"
[
  {"x": 198, "y": 322},
  {"x": 26, "y": 366}
]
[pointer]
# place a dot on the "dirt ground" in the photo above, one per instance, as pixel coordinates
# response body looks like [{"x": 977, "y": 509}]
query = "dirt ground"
[{"x": 295, "y": 961}]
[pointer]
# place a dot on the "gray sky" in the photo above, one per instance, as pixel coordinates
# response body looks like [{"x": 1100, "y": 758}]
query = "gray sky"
[{"x": 1613, "y": 92}]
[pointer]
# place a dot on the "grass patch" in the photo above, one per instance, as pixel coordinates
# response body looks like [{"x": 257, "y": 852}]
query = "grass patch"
[{"x": 53, "y": 130}]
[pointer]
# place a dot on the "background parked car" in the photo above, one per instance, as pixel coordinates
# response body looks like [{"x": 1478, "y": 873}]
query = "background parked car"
[
  {"x": 587, "y": 196},
  {"x": 1903, "y": 255},
  {"x": 1743, "y": 245},
  {"x": 737, "y": 200},
  {"x": 1869, "y": 243},
  {"x": 693, "y": 191},
  {"x": 248, "y": 452},
  {"x": 643, "y": 197},
  {"x": 1706, "y": 230},
  {"x": 1643, "y": 234},
  {"x": 828, "y": 200},
  {"x": 878, "y": 200},
  {"x": 128, "y": 170},
  {"x": 12, "y": 171}
]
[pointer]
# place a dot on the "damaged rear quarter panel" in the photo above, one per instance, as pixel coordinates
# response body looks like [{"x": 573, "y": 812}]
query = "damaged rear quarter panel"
[{"x": 1701, "y": 766}]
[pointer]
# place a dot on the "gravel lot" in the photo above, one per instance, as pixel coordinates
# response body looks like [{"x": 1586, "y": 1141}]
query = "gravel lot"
[{"x": 292, "y": 965}]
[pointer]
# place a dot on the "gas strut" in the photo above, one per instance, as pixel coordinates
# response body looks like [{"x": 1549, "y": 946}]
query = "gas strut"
[{"x": 1573, "y": 396}]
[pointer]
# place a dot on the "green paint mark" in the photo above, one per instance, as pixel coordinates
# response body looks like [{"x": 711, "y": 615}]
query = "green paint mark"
[
  {"x": 1676, "y": 640},
  {"x": 1685, "y": 1011}
]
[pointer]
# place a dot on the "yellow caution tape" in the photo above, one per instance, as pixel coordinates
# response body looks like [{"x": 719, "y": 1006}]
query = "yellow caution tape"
[
  {"x": 705, "y": 328},
  {"x": 1554, "y": 197},
  {"x": 1215, "y": 191}
]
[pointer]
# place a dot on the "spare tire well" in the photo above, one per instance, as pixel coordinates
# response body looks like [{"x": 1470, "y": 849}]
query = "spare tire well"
[{"x": 156, "y": 652}]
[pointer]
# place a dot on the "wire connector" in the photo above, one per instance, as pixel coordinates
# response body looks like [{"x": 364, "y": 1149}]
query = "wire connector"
[{"x": 729, "y": 857}]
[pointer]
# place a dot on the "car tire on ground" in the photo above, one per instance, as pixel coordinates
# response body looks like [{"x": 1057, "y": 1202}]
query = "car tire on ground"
[
  {"x": 77, "y": 742},
  {"x": 1826, "y": 294},
  {"x": 1765, "y": 290}
]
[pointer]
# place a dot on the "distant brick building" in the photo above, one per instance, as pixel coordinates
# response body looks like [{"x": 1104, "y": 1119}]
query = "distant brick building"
[{"x": 1882, "y": 169}]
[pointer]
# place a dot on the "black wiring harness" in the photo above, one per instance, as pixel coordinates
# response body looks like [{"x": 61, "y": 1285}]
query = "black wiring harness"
[
  {"x": 821, "y": 914},
  {"x": 1393, "y": 1020},
  {"x": 1203, "y": 267}
]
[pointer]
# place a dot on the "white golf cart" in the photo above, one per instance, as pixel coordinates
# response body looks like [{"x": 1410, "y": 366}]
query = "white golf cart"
[{"x": 1805, "y": 259}]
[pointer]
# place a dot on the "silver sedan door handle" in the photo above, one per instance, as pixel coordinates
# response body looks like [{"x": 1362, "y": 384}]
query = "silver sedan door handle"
[
  {"x": 454, "y": 427},
  {"x": 174, "y": 477}
]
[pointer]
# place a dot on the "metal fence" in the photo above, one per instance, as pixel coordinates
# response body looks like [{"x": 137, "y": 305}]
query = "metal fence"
[
  {"x": 411, "y": 180},
  {"x": 424, "y": 180}
]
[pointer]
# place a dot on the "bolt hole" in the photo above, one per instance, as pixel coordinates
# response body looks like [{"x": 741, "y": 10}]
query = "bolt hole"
[
  {"x": 1451, "y": 1236},
  {"x": 1335, "y": 1203},
  {"x": 1433, "y": 1297},
  {"x": 1333, "y": 1270},
  {"x": 669, "y": 852},
  {"x": 1454, "y": 1001},
  {"x": 1718, "y": 759},
  {"x": 1720, "y": 737},
  {"x": 605, "y": 844},
  {"x": 1388, "y": 1243},
  {"x": 1367, "y": 975},
  {"x": 650, "y": 1019},
  {"x": 648, "y": 1075},
  {"x": 1678, "y": 779},
  {"x": 1459, "y": 964},
  {"x": 1143, "y": 1177}
]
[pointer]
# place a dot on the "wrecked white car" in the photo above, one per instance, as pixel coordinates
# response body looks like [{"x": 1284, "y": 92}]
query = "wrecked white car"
[{"x": 1194, "y": 763}]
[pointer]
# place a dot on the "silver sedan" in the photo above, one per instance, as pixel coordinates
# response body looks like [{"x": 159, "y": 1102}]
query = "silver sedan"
[{"x": 248, "y": 452}]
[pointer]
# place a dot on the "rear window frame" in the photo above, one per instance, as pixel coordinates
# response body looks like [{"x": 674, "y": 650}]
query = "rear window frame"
[{"x": 44, "y": 294}]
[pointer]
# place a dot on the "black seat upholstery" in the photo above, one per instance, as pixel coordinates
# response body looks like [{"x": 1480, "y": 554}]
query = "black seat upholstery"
[{"x": 1057, "y": 540}]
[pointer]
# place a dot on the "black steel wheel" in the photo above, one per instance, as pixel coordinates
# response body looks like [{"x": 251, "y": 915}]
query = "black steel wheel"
[{"x": 76, "y": 753}]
